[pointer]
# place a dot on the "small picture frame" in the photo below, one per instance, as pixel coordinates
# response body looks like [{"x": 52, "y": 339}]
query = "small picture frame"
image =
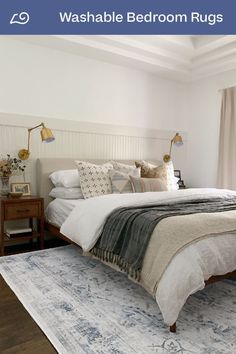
[
  {"x": 177, "y": 174},
  {"x": 22, "y": 187}
]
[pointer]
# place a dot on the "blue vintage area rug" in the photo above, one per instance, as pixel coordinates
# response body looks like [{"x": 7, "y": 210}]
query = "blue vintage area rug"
[{"x": 84, "y": 306}]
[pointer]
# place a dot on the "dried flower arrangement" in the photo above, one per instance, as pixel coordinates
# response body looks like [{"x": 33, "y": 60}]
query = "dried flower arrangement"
[{"x": 11, "y": 166}]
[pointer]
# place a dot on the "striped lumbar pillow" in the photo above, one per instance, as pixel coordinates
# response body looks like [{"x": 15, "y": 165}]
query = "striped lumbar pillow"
[{"x": 141, "y": 185}]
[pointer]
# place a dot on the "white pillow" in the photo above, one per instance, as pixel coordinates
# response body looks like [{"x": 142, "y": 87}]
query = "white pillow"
[
  {"x": 171, "y": 181},
  {"x": 65, "y": 178},
  {"x": 94, "y": 179},
  {"x": 121, "y": 167},
  {"x": 66, "y": 193},
  {"x": 176, "y": 184}
]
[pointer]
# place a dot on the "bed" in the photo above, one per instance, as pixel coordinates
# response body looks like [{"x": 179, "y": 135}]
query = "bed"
[{"x": 189, "y": 271}]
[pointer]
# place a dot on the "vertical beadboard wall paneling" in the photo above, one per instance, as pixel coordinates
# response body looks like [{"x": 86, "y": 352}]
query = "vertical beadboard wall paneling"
[{"x": 84, "y": 140}]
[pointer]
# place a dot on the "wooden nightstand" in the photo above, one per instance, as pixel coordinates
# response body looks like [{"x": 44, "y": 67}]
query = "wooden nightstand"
[{"x": 22, "y": 208}]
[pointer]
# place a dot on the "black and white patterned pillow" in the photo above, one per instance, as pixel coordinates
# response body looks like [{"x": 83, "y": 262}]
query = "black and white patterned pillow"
[{"x": 94, "y": 179}]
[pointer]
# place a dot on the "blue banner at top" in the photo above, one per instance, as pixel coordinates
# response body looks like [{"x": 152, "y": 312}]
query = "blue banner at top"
[{"x": 117, "y": 17}]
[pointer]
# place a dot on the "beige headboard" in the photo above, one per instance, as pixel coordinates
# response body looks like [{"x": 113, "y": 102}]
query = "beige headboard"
[{"x": 45, "y": 166}]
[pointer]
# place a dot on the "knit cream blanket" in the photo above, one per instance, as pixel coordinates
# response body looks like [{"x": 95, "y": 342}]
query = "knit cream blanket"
[{"x": 173, "y": 234}]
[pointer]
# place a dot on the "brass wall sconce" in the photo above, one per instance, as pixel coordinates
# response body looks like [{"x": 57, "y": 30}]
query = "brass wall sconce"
[
  {"x": 46, "y": 136},
  {"x": 177, "y": 141}
]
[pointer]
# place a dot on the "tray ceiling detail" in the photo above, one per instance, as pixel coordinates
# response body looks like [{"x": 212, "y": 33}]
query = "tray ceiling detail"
[{"x": 184, "y": 58}]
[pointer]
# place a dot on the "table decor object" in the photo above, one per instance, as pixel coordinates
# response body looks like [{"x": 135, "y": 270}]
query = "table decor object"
[{"x": 9, "y": 166}]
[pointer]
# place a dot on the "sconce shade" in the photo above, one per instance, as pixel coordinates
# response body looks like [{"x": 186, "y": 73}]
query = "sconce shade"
[
  {"x": 46, "y": 135},
  {"x": 177, "y": 140}
]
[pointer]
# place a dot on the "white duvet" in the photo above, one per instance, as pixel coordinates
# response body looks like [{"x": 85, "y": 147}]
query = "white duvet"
[{"x": 188, "y": 269}]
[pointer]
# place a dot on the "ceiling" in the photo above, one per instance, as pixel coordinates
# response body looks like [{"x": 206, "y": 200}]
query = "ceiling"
[{"x": 184, "y": 58}]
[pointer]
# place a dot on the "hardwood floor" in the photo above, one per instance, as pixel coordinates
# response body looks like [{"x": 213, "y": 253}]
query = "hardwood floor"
[
  {"x": 18, "y": 331},
  {"x": 19, "y": 334}
]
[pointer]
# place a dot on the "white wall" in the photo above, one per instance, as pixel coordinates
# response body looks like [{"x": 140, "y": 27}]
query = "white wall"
[
  {"x": 202, "y": 124},
  {"x": 49, "y": 83},
  {"x": 62, "y": 89}
]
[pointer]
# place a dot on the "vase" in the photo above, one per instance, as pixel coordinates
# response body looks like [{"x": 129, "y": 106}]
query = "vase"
[{"x": 5, "y": 188}]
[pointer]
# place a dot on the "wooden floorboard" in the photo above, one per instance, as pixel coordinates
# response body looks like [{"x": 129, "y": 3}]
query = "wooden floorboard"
[{"x": 18, "y": 332}]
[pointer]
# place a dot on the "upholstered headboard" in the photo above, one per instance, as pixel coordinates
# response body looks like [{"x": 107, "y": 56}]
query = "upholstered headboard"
[{"x": 45, "y": 166}]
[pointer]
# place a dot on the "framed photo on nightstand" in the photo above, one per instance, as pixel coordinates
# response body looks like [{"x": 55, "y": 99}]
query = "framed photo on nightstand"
[
  {"x": 180, "y": 182},
  {"x": 177, "y": 173},
  {"x": 21, "y": 187}
]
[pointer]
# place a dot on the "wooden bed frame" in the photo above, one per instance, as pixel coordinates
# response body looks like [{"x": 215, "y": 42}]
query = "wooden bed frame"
[{"x": 56, "y": 232}]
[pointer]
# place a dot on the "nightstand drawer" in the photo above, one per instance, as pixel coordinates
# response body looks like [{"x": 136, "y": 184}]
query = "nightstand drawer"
[
  {"x": 29, "y": 208},
  {"x": 17, "y": 211}
]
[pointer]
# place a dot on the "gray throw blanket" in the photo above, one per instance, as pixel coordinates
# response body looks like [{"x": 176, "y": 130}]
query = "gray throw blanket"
[{"x": 127, "y": 230}]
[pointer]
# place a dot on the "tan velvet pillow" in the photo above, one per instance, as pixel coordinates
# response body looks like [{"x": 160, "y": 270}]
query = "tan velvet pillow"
[
  {"x": 141, "y": 185},
  {"x": 150, "y": 171}
]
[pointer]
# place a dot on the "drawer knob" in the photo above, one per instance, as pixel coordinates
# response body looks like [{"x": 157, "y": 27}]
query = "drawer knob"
[{"x": 23, "y": 210}]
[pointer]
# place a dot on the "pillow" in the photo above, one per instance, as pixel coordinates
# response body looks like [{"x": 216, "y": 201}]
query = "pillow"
[
  {"x": 120, "y": 182},
  {"x": 151, "y": 171},
  {"x": 176, "y": 182},
  {"x": 171, "y": 182},
  {"x": 121, "y": 167},
  {"x": 164, "y": 171},
  {"x": 94, "y": 179},
  {"x": 141, "y": 185},
  {"x": 66, "y": 193},
  {"x": 65, "y": 178}
]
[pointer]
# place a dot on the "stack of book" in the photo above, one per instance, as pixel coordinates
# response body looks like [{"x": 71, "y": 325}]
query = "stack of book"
[{"x": 13, "y": 232}]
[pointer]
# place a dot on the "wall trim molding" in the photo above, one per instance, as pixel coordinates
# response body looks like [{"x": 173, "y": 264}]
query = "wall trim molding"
[{"x": 27, "y": 121}]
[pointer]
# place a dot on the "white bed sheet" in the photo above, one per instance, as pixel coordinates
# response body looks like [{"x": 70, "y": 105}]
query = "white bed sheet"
[
  {"x": 189, "y": 268},
  {"x": 58, "y": 210}
]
